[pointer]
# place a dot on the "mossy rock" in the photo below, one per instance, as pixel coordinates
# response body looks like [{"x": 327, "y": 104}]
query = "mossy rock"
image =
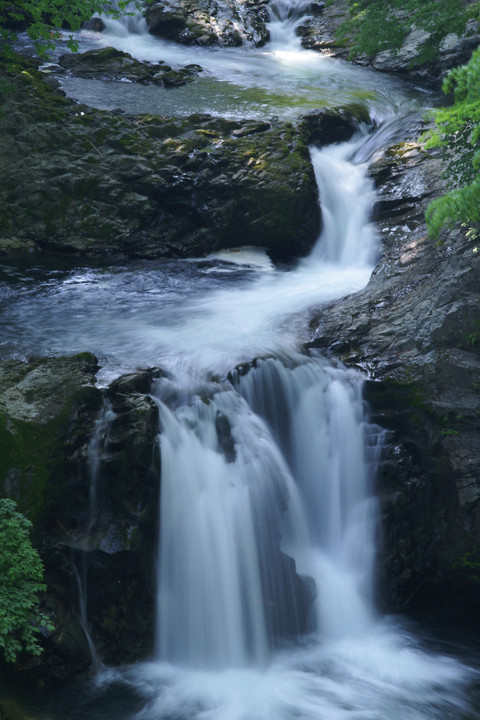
[
  {"x": 99, "y": 183},
  {"x": 47, "y": 409}
]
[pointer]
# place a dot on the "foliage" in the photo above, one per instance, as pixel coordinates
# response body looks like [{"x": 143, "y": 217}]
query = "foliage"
[
  {"x": 42, "y": 18},
  {"x": 469, "y": 565},
  {"x": 21, "y": 575},
  {"x": 457, "y": 131},
  {"x": 377, "y": 25}
]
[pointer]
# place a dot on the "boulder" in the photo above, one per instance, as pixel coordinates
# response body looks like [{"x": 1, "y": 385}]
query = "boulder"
[
  {"x": 109, "y": 63},
  {"x": 95, "y": 183},
  {"x": 83, "y": 465},
  {"x": 210, "y": 22}
]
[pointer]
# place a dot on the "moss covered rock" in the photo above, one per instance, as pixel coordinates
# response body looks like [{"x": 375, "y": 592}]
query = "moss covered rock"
[
  {"x": 90, "y": 182},
  {"x": 113, "y": 64},
  {"x": 83, "y": 464},
  {"x": 41, "y": 401}
]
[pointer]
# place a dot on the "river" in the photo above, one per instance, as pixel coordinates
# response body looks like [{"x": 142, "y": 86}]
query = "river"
[{"x": 239, "y": 635}]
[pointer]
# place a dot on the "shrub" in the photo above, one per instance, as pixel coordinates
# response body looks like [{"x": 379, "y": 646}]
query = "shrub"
[
  {"x": 21, "y": 581},
  {"x": 457, "y": 131},
  {"x": 42, "y": 18},
  {"x": 377, "y": 25}
]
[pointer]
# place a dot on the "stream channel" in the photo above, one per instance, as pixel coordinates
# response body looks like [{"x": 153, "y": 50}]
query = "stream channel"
[{"x": 301, "y": 467}]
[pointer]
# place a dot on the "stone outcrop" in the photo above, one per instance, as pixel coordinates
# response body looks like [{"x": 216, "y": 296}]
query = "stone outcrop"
[
  {"x": 320, "y": 29},
  {"x": 83, "y": 464},
  {"x": 415, "y": 332},
  {"x": 111, "y": 64},
  {"x": 90, "y": 182},
  {"x": 227, "y": 23}
]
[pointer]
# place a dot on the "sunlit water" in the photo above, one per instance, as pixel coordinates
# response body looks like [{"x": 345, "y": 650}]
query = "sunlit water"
[
  {"x": 281, "y": 79},
  {"x": 292, "y": 470}
]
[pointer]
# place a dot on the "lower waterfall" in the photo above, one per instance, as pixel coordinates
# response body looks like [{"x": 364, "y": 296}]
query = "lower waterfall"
[{"x": 279, "y": 461}]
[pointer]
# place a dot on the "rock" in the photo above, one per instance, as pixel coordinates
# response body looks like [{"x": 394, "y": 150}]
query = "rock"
[
  {"x": 85, "y": 468},
  {"x": 414, "y": 330},
  {"x": 402, "y": 60},
  {"x": 421, "y": 57},
  {"x": 210, "y": 22},
  {"x": 96, "y": 24},
  {"x": 109, "y": 63},
  {"x": 95, "y": 183},
  {"x": 225, "y": 437},
  {"x": 318, "y": 31},
  {"x": 324, "y": 127}
]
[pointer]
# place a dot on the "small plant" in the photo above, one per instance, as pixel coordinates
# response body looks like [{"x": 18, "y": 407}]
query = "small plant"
[
  {"x": 469, "y": 564},
  {"x": 377, "y": 25},
  {"x": 43, "y": 18},
  {"x": 21, "y": 581},
  {"x": 457, "y": 131}
]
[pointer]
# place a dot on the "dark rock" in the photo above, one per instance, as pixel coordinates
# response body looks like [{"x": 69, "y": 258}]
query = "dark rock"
[
  {"x": 90, "y": 483},
  {"x": 207, "y": 22},
  {"x": 95, "y": 183},
  {"x": 115, "y": 65},
  {"x": 325, "y": 126},
  {"x": 225, "y": 437},
  {"x": 96, "y": 24}
]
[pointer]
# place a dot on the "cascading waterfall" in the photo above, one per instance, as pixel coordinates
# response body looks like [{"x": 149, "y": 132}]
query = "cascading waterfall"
[
  {"x": 228, "y": 500},
  {"x": 240, "y": 477},
  {"x": 316, "y": 412},
  {"x": 80, "y": 560},
  {"x": 286, "y": 15},
  {"x": 267, "y": 518}
]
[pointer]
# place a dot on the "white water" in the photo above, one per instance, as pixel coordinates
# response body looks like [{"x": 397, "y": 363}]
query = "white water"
[{"x": 279, "y": 460}]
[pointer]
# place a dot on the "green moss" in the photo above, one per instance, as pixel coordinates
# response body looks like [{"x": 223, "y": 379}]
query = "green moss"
[
  {"x": 28, "y": 454},
  {"x": 376, "y": 25},
  {"x": 33, "y": 452}
]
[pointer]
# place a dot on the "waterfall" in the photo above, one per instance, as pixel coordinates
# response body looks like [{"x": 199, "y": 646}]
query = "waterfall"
[
  {"x": 269, "y": 469},
  {"x": 265, "y": 569},
  {"x": 348, "y": 238},
  {"x": 285, "y": 17}
]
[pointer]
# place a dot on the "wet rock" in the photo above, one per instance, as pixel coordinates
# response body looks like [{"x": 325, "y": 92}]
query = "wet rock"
[
  {"x": 96, "y": 24},
  {"x": 330, "y": 126},
  {"x": 84, "y": 466},
  {"x": 318, "y": 31},
  {"x": 225, "y": 437},
  {"x": 414, "y": 332},
  {"x": 413, "y": 60},
  {"x": 210, "y": 22},
  {"x": 95, "y": 183},
  {"x": 109, "y": 63}
]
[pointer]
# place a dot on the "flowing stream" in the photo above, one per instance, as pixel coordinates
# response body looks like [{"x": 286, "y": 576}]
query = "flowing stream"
[{"x": 267, "y": 515}]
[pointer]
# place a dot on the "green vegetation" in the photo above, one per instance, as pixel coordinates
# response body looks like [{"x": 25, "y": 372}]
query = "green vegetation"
[
  {"x": 469, "y": 566},
  {"x": 42, "y": 18},
  {"x": 457, "y": 130},
  {"x": 21, "y": 581},
  {"x": 377, "y": 25}
]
